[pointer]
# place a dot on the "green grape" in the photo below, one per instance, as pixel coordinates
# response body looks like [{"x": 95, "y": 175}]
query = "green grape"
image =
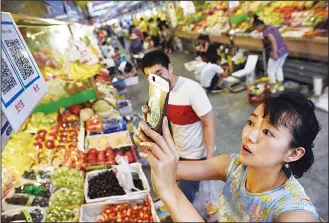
[
  {"x": 60, "y": 214},
  {"x": 68, "y": 178},
  {"x": 65, "y": 198}
]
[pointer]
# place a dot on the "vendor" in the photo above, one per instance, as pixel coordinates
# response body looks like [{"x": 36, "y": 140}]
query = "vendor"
[
  {"x": 127, "y": 69},
  {"x": 276, "y": 50},
  {"x": 212, "y": 73},
  {"x": 260, "y": 181}
]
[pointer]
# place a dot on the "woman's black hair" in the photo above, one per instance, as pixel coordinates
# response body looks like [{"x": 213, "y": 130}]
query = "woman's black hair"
[
  {"x": 155, "y": 57},
  {"x": 257, "y": 21},
  {"x": 128, "y": 67},
  {"x": 296, "y": 112}
]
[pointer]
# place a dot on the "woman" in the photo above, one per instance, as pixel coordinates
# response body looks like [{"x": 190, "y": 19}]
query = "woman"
[
  {"x": 204, "y": 44},
  {"x": 260, "y": 181},
  {"x": 276, "y": 50},
  {"x": 166, "y": 38}
]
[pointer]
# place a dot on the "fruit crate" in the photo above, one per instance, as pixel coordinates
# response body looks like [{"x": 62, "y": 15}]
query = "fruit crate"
[
  {"x": 91, "y": 212},
  {"x": 134, "y": 168}
]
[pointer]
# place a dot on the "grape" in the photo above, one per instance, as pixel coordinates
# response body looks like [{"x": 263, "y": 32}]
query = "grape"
[
  {"x": 65, "y": 198},
  {"x": 60, "y": 214},
  {"x": 68, "y": 178}
]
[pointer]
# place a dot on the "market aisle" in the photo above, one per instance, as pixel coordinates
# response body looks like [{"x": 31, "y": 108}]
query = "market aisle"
[{"x": 231, "y": 113}]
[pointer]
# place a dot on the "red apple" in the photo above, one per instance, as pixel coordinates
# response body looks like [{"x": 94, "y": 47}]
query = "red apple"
[{"x": 50, "y": 144}]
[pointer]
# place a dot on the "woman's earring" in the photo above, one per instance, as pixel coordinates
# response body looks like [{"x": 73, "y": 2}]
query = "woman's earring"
[{"x": 286, "y": 165}]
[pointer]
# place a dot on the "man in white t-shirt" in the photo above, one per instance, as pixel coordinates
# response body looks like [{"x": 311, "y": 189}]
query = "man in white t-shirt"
[
  {"x": 189, "y": 112},
  {"x": 212, "y": 74}
]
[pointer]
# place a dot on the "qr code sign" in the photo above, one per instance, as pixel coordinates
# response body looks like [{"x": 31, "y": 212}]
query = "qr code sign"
[
  {"x": 21, "y": 60},
  {"x": 8, "y": 81}
]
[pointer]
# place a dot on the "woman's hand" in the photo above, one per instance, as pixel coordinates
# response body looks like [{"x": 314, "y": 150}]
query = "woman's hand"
[{"x": 163, "y": 158}]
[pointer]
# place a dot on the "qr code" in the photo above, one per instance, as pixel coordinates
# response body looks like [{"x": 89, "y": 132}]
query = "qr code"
[
  {"x": 8, "y": 81},
  {"x": 21, "y": 60}
]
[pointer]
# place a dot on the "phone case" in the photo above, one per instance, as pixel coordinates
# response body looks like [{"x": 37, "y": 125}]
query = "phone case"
[{"x": 159, "y": 89}]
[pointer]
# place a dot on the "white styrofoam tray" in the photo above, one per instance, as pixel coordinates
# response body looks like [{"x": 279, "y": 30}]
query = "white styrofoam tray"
[
  {"x": 90, "y": 212},
  {"x": 134, "y": 167}
]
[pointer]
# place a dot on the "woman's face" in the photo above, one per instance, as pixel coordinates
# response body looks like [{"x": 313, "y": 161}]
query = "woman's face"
[{"x": 264, "y": 145}]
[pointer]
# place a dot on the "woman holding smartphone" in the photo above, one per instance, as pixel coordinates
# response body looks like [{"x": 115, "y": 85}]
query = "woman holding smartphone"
[{"x": 260, "y": 181}]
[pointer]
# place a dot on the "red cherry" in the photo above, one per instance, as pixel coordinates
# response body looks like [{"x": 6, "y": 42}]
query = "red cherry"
[
  {"x": 42, "y": 133},
  {"x": 50, "y": 144}
]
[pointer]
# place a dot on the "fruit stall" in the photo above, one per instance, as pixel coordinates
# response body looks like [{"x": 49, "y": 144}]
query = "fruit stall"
[
  {"x": 303, "y": 24},
  {"x": 73, "y": 159}
]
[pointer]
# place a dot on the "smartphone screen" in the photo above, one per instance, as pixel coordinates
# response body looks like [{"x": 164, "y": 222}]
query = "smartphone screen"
[{"x": 159, "y": 88}]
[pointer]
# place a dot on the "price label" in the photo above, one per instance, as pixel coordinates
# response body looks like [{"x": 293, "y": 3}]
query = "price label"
[{"x": 22, "y": 85}]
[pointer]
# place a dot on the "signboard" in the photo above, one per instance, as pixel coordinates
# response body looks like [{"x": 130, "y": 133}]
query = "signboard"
[{"x": 22, "y": 85}]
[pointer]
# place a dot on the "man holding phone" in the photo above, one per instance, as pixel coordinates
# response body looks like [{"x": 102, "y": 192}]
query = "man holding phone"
[{"x": 189, "y": 112}]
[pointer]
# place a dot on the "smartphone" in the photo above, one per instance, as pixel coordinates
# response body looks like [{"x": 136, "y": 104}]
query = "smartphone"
[{"x": 159, "y": 89}]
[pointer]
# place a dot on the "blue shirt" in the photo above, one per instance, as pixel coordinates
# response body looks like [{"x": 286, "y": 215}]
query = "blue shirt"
[{"x": 236, "y": 204}]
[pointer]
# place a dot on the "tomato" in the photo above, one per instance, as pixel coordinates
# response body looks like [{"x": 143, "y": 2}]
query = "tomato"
[{"x": 40, "y": 139}]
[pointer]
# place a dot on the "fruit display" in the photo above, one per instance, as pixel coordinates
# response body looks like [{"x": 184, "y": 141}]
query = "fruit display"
[
  {"x": 288, "y": 14},
  {"x": 47, "y": 163},
  {"x": 62, "y": 214},
  {"x": 24, "y": 215},
  {"x": 104, "y": 184},
  {"x": 139, "y": 212}
]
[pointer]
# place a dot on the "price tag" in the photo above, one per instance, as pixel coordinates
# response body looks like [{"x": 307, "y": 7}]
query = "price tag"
[
  {"x": 22, "y": 85},
  {"x": 6, "y": 130},
  {"x": 233, "y": 4}
]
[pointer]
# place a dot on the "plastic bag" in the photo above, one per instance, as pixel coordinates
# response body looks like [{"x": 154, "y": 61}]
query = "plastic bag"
[
  {"x": 124, "y": 175},
  {"x": 207, "y": 199}
]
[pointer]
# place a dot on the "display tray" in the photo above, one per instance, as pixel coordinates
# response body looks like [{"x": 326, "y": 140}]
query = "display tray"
[
  {"x": 114, "y": 140},
  {"x": 91, "y": 212},
  {"x": 134, "y": 168}
]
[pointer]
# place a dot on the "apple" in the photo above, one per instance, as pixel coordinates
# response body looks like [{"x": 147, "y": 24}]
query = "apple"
[{"x": 50, "y": 144}]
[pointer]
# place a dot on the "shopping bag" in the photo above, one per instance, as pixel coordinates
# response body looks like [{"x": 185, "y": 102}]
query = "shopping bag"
[{"x": 207, "y": 199}]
